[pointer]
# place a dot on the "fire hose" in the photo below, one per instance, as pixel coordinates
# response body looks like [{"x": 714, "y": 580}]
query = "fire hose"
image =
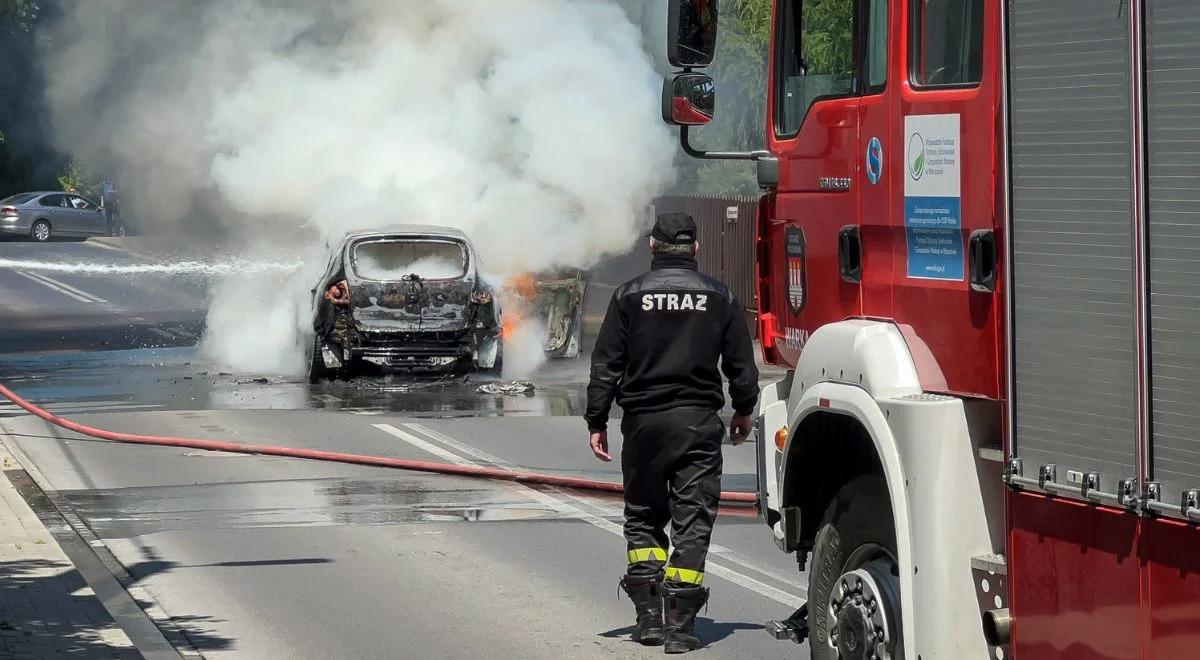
[{"x": 502, "y": 474}]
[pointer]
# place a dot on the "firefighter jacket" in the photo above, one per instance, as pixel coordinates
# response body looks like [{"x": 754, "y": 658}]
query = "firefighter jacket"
[{"x": 661, "y": 341}]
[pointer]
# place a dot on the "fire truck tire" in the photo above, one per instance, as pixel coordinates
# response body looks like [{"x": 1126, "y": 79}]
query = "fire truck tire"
[{"x": 856, "y": 534}]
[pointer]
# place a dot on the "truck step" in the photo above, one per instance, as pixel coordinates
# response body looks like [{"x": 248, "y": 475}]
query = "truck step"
[{"x": 795, "y": 627}]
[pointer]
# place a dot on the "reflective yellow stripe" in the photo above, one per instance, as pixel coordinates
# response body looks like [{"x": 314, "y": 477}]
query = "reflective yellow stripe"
[
  {"x": 685, "y": 575},
  {"x": 647, "y": 554}
]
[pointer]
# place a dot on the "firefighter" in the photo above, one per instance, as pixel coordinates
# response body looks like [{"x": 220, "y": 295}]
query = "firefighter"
[{"x": 657, "y": 355}]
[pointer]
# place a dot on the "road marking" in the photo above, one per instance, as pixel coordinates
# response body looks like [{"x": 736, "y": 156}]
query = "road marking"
[
  {"x": 719, "y": 550},
  {"x": 172, "y": 333},
  {"x": 558, "y": 504},
  {"x": 422, "y": 445},
  {"x": 53, "y": 287},
  {"x": 70, "y": 288},
  {"x": 50, "y": 281}
]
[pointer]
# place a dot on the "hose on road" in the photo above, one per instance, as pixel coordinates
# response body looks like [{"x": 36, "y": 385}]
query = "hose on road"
[{"x": 518, "y": 476}]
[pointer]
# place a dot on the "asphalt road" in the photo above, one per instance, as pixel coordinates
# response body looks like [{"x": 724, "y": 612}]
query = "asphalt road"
[{"x": 255, "y": 557}]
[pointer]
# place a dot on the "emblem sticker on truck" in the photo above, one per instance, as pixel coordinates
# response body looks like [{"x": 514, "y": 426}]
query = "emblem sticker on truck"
[
  {"x": 797, "y": 290},
  {"x": 874, "y": 161},
  {"x": 933, "y": 197}
]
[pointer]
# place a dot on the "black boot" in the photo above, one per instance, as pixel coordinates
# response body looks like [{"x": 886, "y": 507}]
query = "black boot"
[
  {"x": 646, "y": 594},
  {"x": 682, "y": 607}
]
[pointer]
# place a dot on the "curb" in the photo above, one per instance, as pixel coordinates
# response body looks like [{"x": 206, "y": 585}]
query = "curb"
[{"x": 138, "y": 599}]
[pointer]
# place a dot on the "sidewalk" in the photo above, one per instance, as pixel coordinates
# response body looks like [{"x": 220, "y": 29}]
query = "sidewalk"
[{"x": 46, "y": 608}]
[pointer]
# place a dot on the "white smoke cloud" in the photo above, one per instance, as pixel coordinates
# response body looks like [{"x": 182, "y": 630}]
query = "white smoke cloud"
[{"x": 529, "y": 124}]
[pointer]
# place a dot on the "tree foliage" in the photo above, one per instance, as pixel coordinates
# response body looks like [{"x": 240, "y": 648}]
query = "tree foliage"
[
  {"x": 76, "y": 176},
  {"x": 28, "y": 159},
  {"x": 827, "y": 37},
  {"x": 18, "y": 15},
  {"x": 740, "y": 69}
]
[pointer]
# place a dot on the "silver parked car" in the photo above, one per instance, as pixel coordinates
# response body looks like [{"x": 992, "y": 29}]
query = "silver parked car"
[{"x": 42, "y": 215}]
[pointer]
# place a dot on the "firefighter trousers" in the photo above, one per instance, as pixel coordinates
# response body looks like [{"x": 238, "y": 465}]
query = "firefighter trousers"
[{"x": 671, "y": 464}]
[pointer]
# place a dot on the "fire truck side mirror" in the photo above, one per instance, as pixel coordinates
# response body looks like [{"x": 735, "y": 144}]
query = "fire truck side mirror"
[
  {"x": 691, "y": 32},
  {"x": 688, "y": 99}
]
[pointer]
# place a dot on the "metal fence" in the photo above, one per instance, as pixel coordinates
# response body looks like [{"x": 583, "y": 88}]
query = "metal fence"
[{"x": 726, "y": 239}]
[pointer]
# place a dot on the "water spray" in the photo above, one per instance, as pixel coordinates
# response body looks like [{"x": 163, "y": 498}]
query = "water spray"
[{"x": 218, "y": 268}]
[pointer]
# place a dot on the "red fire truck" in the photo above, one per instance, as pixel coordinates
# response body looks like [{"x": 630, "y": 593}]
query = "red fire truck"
[{"x": 979, "y": 258}]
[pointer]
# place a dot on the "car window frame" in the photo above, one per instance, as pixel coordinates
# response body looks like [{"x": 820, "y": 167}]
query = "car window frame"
[
  {"x": 61, "y": 198},
  {"x": 859, "y": 88},
  {"x": 916, "y": 23},
  {"x": 353, "y": 247},
  {"x": 89, "y": 205},
  {"x": 865, "y": 54},
  {"x": 25, "y": 199}
]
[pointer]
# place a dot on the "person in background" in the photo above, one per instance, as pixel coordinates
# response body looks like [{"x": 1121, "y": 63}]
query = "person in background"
[{"x": 111, "y": 203}]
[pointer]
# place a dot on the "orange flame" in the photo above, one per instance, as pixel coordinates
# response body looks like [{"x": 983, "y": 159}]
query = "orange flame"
[
  {"x": 509, "y": 325},
  {"x": 523, "y": 285},
  {"x": 518, "y": 292}
]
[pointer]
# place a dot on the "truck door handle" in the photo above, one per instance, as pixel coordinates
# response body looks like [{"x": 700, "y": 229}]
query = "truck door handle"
[
  {"x": 850, "y": 254},
  {"x": 984, "y": 259}
]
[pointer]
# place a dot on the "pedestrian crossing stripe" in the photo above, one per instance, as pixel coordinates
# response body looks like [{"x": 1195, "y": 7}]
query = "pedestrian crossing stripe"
[
  {"x": 685, "y": 575},
  {"x": 647, "y": 554}
]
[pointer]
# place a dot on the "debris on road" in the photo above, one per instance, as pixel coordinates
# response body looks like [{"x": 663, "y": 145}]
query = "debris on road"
[{"x": 515, "y": 388}]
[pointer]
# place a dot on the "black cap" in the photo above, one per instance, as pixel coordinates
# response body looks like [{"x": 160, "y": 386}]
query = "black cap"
[{"x": 674, "y": 227}]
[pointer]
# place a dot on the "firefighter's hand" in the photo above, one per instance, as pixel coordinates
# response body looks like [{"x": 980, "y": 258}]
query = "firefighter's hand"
[
  {"x": 599, "y": 442},
  {"x": 739, "y": 429}
]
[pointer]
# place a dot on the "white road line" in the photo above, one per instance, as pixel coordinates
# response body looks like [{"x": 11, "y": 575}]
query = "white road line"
[
  {"x": 52, "y": 287},
  {"x": 70, "y": 288},
  {"x": 422, "y": 445},
  {"x": 557, "y": 504},
  {"x": 162, "y": 333},
  {"x": 718, "y": 550},
  {"x": 51, "y": 282}
]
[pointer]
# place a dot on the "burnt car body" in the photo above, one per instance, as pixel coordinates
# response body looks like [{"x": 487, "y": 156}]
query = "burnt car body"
[
  {"x": 555, "y": 299},
  {"x": 407, "y": 298}
]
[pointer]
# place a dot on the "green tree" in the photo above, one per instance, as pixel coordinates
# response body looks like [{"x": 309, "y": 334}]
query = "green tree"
[
  {"x": 827, "y": 40},
  {"x": 18, "y": 15},
  {"x": 76, "y": 176},
  {"x": 28, "y": 159},
  {"x": 740, "y": 69}
]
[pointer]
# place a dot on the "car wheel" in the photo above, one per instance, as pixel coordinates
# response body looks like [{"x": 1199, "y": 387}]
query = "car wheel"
[
  {"x": 497, "y": 367},
  {"x": 854, "y": 579},
  {"x": 40, "y": 231},
  {"x": 317, "y": 371}
]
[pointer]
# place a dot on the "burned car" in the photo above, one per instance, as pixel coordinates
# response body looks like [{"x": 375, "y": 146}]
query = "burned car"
[
  {"x": 407, "y": 299},
  {"x": 553, "y": 299}
]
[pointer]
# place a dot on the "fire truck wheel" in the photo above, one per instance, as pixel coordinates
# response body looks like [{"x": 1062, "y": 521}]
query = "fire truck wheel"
[{"x": 853, "y": 580}]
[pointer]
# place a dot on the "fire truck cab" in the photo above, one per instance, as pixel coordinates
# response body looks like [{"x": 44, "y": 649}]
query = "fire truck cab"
[{"x": 979, "y": 258}]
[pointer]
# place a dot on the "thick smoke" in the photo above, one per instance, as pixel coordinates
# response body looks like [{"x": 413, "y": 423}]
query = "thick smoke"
[{"x": 529, "y": 124}]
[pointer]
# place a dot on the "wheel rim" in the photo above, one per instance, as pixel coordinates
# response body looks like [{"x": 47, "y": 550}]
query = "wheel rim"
[
  {"x": 41, "y": 231},
  {"x": 864, "y": 608}
]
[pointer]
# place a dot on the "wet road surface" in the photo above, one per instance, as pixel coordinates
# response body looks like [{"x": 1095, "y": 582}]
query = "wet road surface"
[{"x": 257, "y": 557}]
